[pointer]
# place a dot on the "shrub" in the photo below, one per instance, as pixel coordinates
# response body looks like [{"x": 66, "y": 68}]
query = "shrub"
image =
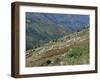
[
  {"x": 48, "y": 62},
  {"x": 76, "y": 52}
]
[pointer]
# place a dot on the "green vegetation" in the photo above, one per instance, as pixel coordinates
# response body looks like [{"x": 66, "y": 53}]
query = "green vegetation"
[
  {"x": 38, "y": 33},
  {"x": 79, "y": 55},
  {"x": 76, "y": 52}
]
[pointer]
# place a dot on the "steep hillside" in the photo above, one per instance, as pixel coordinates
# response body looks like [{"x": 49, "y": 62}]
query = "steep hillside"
[
  {"x": 44, "y": 27},
  {"x": 72, "y": 49},
  {"x": 70, "y": 22},
  {"x": 40, "y": 30}
]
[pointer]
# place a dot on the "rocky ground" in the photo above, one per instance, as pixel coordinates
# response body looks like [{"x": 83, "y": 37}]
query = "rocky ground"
[{"x": 72, "y": 49}]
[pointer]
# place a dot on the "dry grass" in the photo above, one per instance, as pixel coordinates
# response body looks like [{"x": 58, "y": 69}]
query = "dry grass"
[{"x": 71, "y": 51}]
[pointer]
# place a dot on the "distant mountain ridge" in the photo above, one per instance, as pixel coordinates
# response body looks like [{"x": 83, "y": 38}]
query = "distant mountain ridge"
[
  {"x": 69, "y": 21},
  {"x": 43, "y": 27}
]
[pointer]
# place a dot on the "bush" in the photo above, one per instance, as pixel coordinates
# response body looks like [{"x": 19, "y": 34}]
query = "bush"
[
  {"x": 48, "y": 62},
  {"x": 76, "y": 52}
]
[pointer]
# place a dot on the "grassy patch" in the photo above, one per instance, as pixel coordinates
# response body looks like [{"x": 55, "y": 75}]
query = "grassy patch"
[{"x": 79, "y": 55}]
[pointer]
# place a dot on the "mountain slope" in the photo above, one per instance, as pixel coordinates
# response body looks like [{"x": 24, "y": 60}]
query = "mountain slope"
[
  {"x": 71, "y": 49},
  {"x": 71, "y": 22},
  {"x": 43, "y": 27},
  {"x": 40, "y": 30}
]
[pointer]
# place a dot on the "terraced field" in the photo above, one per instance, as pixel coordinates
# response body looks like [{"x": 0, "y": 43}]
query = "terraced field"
[{"x": 72, "y": 49}]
